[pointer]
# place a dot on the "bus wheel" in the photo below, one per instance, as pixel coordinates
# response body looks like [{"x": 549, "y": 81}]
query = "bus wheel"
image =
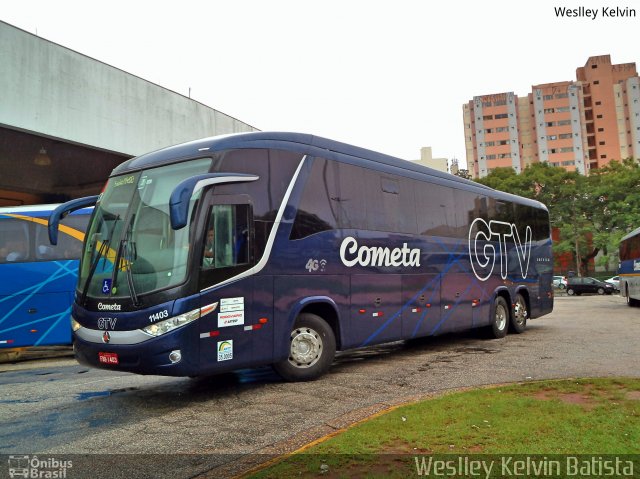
[
  {"x": 519, "y": 315},
  {"x": 500, "y": 320},
  {"x": 312, "y": 347}
]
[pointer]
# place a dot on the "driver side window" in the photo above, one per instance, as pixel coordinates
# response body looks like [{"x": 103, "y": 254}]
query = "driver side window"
[{"x": 226, "y": 242}]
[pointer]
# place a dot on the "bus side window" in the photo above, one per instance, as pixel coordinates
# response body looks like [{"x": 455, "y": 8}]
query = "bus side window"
[
  {"x": 69, "y": 244},
  {"x": 14, "y": 241},
  {"x": 227, "y": 237}
]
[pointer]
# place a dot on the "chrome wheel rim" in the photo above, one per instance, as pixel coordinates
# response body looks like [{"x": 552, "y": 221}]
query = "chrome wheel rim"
[
  {"x": 501, "y": 317},
  {"x": 306, "y": 347},
  {"x": 520, "y": 312}
]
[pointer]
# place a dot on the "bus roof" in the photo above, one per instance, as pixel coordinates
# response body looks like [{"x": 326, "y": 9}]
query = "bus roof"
[{"x": 303, "y": 143}]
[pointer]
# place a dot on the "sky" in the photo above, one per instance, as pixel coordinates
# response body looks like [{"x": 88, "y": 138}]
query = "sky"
[{"x": 390, "y": 76}]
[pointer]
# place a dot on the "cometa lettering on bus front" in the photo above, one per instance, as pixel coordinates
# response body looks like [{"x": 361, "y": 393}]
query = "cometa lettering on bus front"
[
  {"x": 351, "y": 255},
  {"x": 109, "y": 307}
]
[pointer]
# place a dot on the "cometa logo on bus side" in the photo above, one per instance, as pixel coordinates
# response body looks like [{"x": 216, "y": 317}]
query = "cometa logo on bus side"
[{"x": 351, "y": 255}]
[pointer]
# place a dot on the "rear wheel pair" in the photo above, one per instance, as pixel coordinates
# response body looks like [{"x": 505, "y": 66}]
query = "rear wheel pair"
[{"x": 504, "y": 320}]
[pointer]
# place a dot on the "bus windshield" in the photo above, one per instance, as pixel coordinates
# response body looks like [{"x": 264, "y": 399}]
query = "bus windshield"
[{"x": 131, "y": 228}]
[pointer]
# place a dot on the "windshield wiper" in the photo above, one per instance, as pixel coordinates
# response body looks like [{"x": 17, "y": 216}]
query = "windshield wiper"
[
  {"x": 104, "y": 247},
  {"x": 129, "y": 255},
  {"x": 126, "y": 252}
]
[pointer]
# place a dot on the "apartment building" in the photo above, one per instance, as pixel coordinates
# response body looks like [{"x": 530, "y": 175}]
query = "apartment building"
[
  {"x": 577, "y": 125},
  {"x": 427, "y": 159}
]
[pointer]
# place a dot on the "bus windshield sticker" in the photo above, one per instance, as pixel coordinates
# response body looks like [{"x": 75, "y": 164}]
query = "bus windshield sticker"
[
  {"x": 127, "y": 180},
  {"x": 106, "y": 286}
]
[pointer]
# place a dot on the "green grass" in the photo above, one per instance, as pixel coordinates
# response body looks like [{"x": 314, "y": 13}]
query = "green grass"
[{"x": 586, "y": 416}]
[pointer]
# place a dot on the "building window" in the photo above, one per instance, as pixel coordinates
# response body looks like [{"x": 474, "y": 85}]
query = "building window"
[
  {"x": 600, "y": 129},
  {"x": 597, "y": 82},
  {"x": 547, "y": 97},
  {"x": 598, "y": 103},
  {"x": 599, "y": 116},
  {"x": 500, "y": 116},
  {"x": 552, "y": 137},
  {"x": 601, "y": 143},
  {"x": 487, "y": 117},
  {"x": 603, "y": 156}
]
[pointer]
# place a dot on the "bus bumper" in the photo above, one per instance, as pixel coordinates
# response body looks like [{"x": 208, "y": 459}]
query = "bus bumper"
[{"x": 161, "y": 355}]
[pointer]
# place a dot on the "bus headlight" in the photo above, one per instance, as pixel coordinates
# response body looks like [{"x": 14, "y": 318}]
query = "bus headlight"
[
  {"x": 170, "y": 324},
  {"x": 75, "y": 325}
]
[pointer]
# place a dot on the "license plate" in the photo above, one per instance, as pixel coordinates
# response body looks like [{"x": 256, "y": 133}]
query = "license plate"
[{"x": 108, "y": 358}]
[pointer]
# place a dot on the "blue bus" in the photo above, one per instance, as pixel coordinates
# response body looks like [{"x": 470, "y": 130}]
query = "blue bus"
[
  {"x": 281, "y": 248},
  {"x": 629, "y": 270},
  {"x": 37, "y": 280}
]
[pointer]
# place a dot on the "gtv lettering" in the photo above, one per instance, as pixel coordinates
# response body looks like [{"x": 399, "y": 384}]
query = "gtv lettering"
[{"x": 482, "y": 251}]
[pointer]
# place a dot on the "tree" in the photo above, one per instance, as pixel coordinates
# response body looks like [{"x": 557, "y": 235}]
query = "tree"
[
  {"x": 462, "y": 173},
  {"x": 591, "y": 212}
]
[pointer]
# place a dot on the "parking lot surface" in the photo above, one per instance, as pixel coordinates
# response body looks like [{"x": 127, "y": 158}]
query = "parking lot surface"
[{"x": 222, "y": 425}]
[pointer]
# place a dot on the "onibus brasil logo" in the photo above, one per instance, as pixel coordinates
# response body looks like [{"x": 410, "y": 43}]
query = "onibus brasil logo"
[{"x": 33, "y": 467}]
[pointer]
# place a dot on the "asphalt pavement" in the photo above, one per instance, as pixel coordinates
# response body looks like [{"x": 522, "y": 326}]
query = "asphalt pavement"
[{"x": 221, "y": 426}]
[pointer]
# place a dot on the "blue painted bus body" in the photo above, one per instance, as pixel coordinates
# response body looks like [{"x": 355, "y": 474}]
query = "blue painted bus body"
[
  {"x": 37, "y": 285},
  {"x": 421, "y": 285},
  {"x": 629, "y": 268}
]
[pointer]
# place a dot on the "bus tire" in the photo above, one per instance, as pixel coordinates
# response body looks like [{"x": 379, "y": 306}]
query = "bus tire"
[
  {"x": 312, "y": 347},
  {"x": 499, "y": 319},
  {"x": 519, "y": 315}
]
